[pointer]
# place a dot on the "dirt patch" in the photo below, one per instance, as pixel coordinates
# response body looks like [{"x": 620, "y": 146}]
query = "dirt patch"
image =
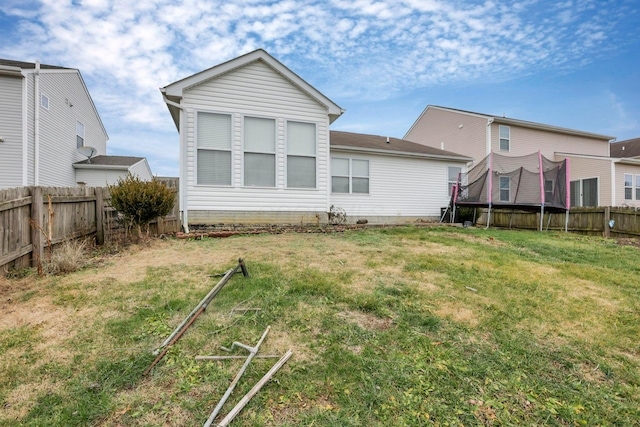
[
  {"x": 457, "y": 313},
  {"x": 635, "y": 242},
  {"x": 366, "y": 320}
]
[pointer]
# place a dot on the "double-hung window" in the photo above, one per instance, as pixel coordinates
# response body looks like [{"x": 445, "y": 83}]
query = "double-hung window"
[
  {"x": 259, "y": 152},
  {"x": 548, "y": 191},
  {"x": 637, "y": 187},
  {"x": 454, "y": 173},
  {"x": 628, "y": 186},
  {"x": 505, "y": 188},
  {"x": 505, "y": 138},
  {"x": 79, "y": 134},
  {"x": 214, "y": 149},
  {"x": 349, "y": 176},
  {"x": 301, "y": 155}
]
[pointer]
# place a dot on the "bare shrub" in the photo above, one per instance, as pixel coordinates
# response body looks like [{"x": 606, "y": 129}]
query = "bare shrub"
[{"x": 67, "y": 257}]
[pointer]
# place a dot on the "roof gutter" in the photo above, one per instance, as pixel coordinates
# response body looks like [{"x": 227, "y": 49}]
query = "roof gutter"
[{"x": 400, "y": 153}]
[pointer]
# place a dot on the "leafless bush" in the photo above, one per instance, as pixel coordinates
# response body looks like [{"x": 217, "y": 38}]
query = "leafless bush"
[{"x": 67, "y": 257}]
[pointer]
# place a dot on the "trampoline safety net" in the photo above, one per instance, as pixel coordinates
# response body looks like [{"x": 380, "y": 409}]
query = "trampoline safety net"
[{"x": 522, "y": 182}]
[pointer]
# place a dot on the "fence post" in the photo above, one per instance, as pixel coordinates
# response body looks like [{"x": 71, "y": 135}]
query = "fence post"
[
  {"x": 37, "y": 229},
  {"x": 99, "y": 216},
  {"x": 606, "y": 229}
]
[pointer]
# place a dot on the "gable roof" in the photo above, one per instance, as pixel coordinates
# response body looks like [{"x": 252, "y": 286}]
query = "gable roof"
[
  {"x": 174, "y": 91},
  {"x": 392, "y": 146},
  {"x": 516, "y": 122},
  {"x": 627, "y": 148}
]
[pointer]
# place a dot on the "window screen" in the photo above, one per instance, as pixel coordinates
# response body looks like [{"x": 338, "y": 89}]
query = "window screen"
[
  {"x": 259, "y": 152},
  {"x": 301, "y": 155},
  {"x": 214, "y": 149}
]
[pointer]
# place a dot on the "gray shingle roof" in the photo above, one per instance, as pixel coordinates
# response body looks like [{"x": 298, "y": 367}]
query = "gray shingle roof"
[
  {"x": 627, "y": 148},
  {"x": 30, "y": 65},
  {"x": 394, "y": 145},
  {"x": 111, "y": 161}
]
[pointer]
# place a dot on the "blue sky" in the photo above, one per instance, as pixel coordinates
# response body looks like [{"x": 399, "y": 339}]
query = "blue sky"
[{"x": 572, "y": 64}]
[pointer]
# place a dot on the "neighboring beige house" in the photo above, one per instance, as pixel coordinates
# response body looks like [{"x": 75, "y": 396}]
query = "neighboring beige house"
[
  {"x": 597, "y": 179},
  {"x": 46, "y": 115},
  {"x": 627, "y": 154},
  {"x": 255, "y": 148}
]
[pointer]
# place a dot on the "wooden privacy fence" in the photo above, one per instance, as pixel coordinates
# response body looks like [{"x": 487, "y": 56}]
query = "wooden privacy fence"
[
  {"x": 602, "y": 220},
  {"x": 31, "y": 217}
]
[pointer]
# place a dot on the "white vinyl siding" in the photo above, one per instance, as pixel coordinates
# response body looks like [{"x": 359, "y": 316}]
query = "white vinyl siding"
[
  {"x": 628, "y": 186},
  {"x": 505, "y": 138},
  {"x": 301, "y": 155},
  {"x": 398, "y": 187},
  {"x": 256, "y": 91},
  {"x": 214, "y": 149},
  {"x": 259, "y": 152},
  {"x": 11, "y": 160},
  {"x": 58, "y": 127}
]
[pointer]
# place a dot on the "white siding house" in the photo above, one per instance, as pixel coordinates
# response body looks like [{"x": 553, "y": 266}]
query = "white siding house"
[
  {"x": 102, "y": 171},
  {"x": 255, "y": 148},
  {"x": 46, "y": 114}
]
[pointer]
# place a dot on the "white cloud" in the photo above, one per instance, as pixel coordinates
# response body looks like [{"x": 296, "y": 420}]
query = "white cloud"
[{"x": 361, "y": 49}]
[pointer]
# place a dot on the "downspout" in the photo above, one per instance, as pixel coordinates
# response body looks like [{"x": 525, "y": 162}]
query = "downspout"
[
  {"x": 541, "y": 174},
  {"x": 25, "y": 129},
  {"x": 488, "y": 141},
  {"x": 613, "y": 183},
  {"x": 36, "y": 125},
  {"x": 182, "y": 202}
]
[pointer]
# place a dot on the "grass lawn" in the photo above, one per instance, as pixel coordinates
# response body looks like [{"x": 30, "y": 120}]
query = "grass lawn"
[{"x": 389, "y": 327}]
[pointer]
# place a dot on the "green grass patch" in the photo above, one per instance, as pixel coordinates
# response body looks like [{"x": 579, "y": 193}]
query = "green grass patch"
[{"x": 403, "y": 326}]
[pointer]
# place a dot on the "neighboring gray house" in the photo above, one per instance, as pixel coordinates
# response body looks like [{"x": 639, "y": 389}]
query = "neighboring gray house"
[
  {"x": 255, "y": 148},
  {"x": 46, "y": 114},
  {"x": 101, "y": 171}
]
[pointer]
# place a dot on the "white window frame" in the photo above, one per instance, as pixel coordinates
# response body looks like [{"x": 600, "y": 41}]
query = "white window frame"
[
  {"x": 580, "y": 197},
  {"x": 637, "y": 182},
  {"x": 44, "y": 99},
  {"x": 289, "y": 154},
  {"x": 507, "y": 139},
  {"x": 351, "y": 175},
  {"x": 501, "y": 189},
  {"x": 451, "y": 182},
  {"x": 550, "y": 191},
  {"x": 198, "y": 148},
  {"x": 628, "y": 187},
  {"x": 273, "y": 153},
  {"x": 80, "y": 132}
]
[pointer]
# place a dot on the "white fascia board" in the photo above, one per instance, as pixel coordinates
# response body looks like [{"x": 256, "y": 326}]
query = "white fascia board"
[
  {"x": 176, "y": 89},
  {"x": 8, "y": 70},
  {"x": 400, "y": 153}
]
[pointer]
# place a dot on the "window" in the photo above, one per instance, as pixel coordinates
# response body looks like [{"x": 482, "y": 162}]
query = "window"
[
  {"x": 360, "y": 176},
  {"x": 259, "y": 152},
  {"x": 628, "y": 186},
  {"x": 454, "y": 173},
  {"x": 505, "y": 183},
  {"x": 44, "y": 101},
  {"x": 79, "y": 134},
  {"x": 637, "y": 187},
  {"x": 584, "y": 192},
  {"x": 548, "y": 191},
  {"x": 214, "y": 149},
  {"x": 301, "y": 155},
  {"x": 349, "y": 176},
  {"x": 505, "y": 138}
]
